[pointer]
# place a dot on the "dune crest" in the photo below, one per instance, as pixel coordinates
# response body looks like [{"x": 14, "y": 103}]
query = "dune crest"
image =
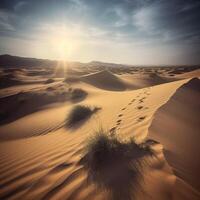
[
  {"x": 142, "y": 80},
  {"x": 176, "y": 125},
  {"x": 105, "y": 80},
  {"x": 40, "y": 155}
]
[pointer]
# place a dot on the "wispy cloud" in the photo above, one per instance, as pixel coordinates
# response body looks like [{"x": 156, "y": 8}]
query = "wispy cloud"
[
  {"x": 137, "y": 25},
  {"x": 19, "y": 5},
  {"x": 6, "y": 21}
]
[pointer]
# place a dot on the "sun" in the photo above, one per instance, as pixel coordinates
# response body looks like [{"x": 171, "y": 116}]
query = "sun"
[
  {"x": 63, "y": 47},
  {"x": 63, "y": 44}
]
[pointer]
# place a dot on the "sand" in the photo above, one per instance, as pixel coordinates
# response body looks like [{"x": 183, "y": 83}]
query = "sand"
[
  {"x": 176, "y": 125},
  {"x": 40, "y": 156}
]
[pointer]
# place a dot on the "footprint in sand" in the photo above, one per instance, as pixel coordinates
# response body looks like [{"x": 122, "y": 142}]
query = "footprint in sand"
[
  {"x": 131, "y": 101},
  {"x": 141, "y": 118},
  {"x": 112, "y": 131},
  {"x": 139, "y": 107},
  {"x": 119, "y": 122},
  {"x": 142, "y": 99}
]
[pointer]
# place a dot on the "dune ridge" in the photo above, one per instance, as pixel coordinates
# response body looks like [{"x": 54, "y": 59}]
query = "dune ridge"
[
  {"x": 105, "y": 80},
  {"x": 176, "y": 125},
  {"x": 40, "y": 158}
]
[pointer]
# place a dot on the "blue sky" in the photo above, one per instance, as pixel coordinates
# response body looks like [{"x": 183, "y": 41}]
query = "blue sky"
[{"x": 153, "y": 32}]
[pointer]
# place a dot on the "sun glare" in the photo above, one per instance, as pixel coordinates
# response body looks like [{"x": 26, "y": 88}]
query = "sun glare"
[{"x": 63, "y": 44}]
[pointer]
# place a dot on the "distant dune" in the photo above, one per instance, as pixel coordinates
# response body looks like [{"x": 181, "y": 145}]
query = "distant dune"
[
  {"x": 105, "y": 80},
  {"x": 153, "y": 108},
  {"x": 141, "y": 80},
  {"x": 16, "y": 61},
  {"x": 194, "y": 73}
]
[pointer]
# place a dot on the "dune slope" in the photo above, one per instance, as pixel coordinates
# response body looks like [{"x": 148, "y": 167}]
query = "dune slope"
[
  {"x": 45, "y": 164},
  {"x": 141, "y": 80},
  {"x": 176, "y": 125},
  {"x": 40, "y": 158},
  {"x": 105, "y": 80}
]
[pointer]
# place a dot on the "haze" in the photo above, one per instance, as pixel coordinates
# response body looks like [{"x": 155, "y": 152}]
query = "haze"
[{"x": 145, "y": 32}]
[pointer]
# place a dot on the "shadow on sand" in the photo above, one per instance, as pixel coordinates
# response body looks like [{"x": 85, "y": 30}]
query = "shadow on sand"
[
  {"x": 78, "y": 115},
  {"x": 115, "y": 166}
]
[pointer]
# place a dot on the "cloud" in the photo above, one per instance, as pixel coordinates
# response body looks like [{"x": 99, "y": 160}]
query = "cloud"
[
  {"x": 145, "y": 19},
  {"x": 20, "y": 5},
  {"x": 5, "y": 21},
  {"x": 6, "y": 27},
  {"x": 139, "y": 24}
]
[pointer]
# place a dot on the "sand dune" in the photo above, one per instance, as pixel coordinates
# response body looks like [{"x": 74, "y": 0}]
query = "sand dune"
[
  {"x": 176, "y": 125},
  {"x": 192, "y": 74},
  {"x": 182, "y": 70},
  {"x": 142, "y": 80},
  {"x": 9, "y": 80},
  {"x": 13, "y": 77},
  {"x": 108, "y": 81},
  {"x": 21, "y": 104},
  {"x": 40, "y": 158},
  {"x": 49, "y": 168},
  {"x": 104, "y": 80}
]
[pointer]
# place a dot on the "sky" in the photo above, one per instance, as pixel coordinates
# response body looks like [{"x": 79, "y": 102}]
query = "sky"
[{"x": 138, "y": 32}]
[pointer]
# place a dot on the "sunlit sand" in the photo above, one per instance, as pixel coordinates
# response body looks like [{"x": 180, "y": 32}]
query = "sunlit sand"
[{"x": 50, "y": 115}]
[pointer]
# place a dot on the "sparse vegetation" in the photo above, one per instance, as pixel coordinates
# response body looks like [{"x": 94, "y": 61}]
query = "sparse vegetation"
[
  {"x": 109, "y": 159},
  {"x": 77, "y": 93},
  {"x": 102, "y": 148},
  {"x": 79, "y": 113}
]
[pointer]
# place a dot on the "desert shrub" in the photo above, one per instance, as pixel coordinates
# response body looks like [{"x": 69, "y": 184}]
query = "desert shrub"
[
  {"x": 50, "y": 80},
  {"x": 102, "y": 149},
  {"x": 79, "y": 113},
  {"x": 77, "y": 93},
  {"x": 115, "y": 165}
]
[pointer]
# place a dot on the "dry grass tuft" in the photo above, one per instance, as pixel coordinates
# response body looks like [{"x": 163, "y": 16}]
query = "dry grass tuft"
[
  {"x": 77, "y": 94},
  {"x": 115, "y": 165},
  {"x": 79, "y": 113}
]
